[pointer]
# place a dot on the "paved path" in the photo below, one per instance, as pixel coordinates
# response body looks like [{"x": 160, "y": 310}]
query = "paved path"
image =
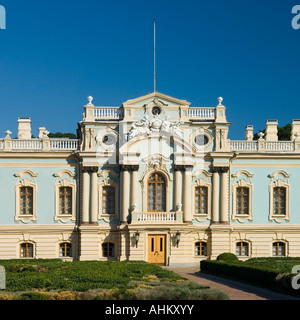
[{"x": 235, "y": 290}]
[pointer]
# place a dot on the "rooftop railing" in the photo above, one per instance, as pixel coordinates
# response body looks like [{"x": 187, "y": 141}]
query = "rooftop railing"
[
  {"x": 54, "y": 144},
  {"x": 116, "y": 113},
  {"x": 262, "y": 145}
]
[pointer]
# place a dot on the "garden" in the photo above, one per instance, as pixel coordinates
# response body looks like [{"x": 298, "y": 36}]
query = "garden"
[{"x": 55, "y": 279}]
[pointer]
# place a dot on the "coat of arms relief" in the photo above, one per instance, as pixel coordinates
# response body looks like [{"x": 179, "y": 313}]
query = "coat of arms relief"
[{"x": 145, "y": 126}]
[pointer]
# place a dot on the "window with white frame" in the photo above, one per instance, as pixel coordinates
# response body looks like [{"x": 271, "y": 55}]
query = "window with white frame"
[
  {"x": 279, "y": 191},
  {"x": 242, "y": 196},
  {"x": 108, "y": 194},
  {"x": 201, "y": 195},
  {"x": 65, "y": 196},
  {"x": 26, "y": 191}
]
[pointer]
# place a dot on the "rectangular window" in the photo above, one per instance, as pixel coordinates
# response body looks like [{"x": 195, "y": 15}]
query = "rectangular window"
[
  {"x": 65, "y": 250},
  {"x": 200, "y": 249},
  {"x": 242, "y": 200},
  {"x": 108, "y": 249},
  {"x": 26, "y": 250},
  {"x": 201, "y": 200},
  {"x": 242, "y": 249},
  {"x": 65, "y": 200},
  {"x": 108, "y": 200},
  {"x": 26, "y": 200},
  {"x": 279, "y": 199}
]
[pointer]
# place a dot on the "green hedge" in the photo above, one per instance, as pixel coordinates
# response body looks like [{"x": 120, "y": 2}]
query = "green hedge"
[{"x": 261, "y": 274}]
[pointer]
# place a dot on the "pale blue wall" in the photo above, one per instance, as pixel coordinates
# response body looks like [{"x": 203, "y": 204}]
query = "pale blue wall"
[
  {"x": 261, "y": 201},
  {"x": 45, "y": 198}
]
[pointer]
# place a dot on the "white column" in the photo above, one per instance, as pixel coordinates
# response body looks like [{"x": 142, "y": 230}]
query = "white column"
[
  {"x": 215, "y": 196},
  {"x": 178, "y": 187},
  {"x": 85, "y": 196},
  {"x": 134, "y": 186},
  {"x": 187, "y": 194},
  {"x": 94, "y": 196},
  {"x": 224, "y": 195},
  {"x": 125, "y": 187}
]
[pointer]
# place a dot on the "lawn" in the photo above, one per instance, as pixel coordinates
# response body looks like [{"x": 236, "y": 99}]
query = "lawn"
[{"x": 55, "y": 279}]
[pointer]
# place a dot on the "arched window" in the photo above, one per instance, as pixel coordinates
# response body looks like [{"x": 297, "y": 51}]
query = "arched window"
[
  {"x": 65, "y": 249},
  {"x": 242, "y": 249},
  {"x": 200, "y": 249},
  {"x": 26, "y": 250},
  {"x": 108, "y": 249},
  {"x": 279, "y": 249},
  {"x": 156, "y": 193}
]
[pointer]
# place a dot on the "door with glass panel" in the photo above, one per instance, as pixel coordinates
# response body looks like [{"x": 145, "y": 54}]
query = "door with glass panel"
[{"x": 157, "y": 249}]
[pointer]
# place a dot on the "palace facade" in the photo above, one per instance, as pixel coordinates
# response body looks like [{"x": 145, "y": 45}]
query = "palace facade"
[{"x": 155, "y": 180}]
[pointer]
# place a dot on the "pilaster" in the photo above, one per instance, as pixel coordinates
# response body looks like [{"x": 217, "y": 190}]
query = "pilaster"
[
  {"x": 125, "y": 188},
  {"x": 134, "y": 187},
  {"x": 187, "y": 195}
]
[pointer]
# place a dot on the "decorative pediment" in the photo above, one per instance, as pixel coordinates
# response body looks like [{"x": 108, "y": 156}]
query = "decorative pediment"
[
  {"x": 25, "y": 171},
  {"x": 64, "y": 171},
  {"x": 155, "y": 97}
]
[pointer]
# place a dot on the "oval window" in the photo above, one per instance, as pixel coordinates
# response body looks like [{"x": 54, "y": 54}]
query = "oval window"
[
  {"x": 109, "y": 139},
  {"x": 201, "y": 140},
  {"x": 156, "y": 111}
]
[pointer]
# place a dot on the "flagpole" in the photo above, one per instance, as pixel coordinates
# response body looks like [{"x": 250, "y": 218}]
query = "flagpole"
[{"x": 154, "y": 59}]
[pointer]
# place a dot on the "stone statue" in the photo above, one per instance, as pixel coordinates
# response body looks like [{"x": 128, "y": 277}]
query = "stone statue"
[{"x": 140, "y": 127}]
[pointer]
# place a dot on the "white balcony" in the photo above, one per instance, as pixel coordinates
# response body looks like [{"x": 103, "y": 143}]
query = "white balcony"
[{"x": 157, "y": 217}]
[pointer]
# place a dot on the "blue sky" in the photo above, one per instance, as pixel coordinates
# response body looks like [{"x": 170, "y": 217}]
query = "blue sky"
[{"x": 54, "y": 54}]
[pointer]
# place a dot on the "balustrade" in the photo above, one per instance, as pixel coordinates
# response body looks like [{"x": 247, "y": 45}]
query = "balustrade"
[
  {"x": 157, "y": 217},
  {"x": 108, "y": 113},
  {"x": 280, "y": 146},
  {"x": 201, "y": 113}
]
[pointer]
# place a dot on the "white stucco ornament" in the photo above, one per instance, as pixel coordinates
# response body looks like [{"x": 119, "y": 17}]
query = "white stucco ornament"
[
  {"x": 90, "y": 99},
  {"x": 220, "y": 100},
  {"x": 8, "y": 133},
  {"x": 146, "y": 126}
]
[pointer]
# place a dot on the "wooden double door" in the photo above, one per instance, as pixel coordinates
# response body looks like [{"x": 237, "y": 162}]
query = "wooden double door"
[{"x": 157, "y": 249}]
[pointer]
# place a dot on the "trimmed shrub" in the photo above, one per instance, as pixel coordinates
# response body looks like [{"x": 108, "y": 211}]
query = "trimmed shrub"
[
  {"x": 227, "y": 256},
  {"x": 265, "y": 274}
]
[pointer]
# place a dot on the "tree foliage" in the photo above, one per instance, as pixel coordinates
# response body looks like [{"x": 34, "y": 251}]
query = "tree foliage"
[
  {"x": 284, "y": 133},
  {"x": 62, "y": 135}
]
